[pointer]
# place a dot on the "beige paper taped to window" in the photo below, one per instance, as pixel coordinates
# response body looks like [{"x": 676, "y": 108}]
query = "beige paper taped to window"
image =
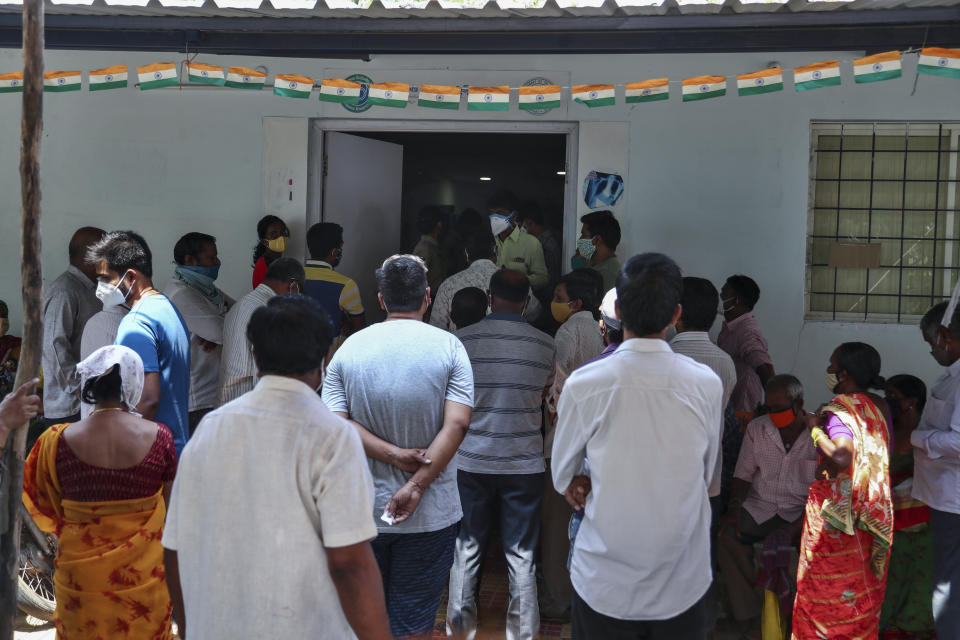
[{"x": 854, "y": 255}]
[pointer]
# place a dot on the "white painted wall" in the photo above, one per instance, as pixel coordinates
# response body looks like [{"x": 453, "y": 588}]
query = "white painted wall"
[{"x": 721, "y": 185}]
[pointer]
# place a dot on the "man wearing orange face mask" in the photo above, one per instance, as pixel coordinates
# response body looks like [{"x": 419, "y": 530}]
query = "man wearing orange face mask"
[{"x": 777, "y": 463}]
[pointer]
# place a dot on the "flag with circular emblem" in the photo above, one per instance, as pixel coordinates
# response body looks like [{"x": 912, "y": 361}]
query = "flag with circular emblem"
[
  {"x": 648, "y": 90},
  {"x": 439, "y": 96},
  {"x": 817, "y": 75},
  {"x": 114, "y": 77},
  {"x": 546, "y": 96},
  {"x": 389, "y": 94},
  {"x": 245, "y": 78},
  {"x": 205, "y": 74},
  {"x": 593, "y": 95},
  {"x": 60, "y": 81},
  {"x": 292, "y": 86},
  {"x": 157, "y": 75},
  {"x": 340, "y": 90},
  {"x": 704, "y": 87},
  {"x": 488, "y": 98},
  {"x": 11, "y": 82},
  {"x": 764, "y": 81},
  {"x": 937, "y": 61},
  {"x": 876, "y": 68}
]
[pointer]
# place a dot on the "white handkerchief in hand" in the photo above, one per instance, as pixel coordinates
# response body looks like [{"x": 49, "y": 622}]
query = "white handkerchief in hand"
[{"x": 387, "y": 518}]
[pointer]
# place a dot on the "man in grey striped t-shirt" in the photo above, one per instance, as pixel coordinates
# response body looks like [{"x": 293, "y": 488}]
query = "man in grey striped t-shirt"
[{"x": 500, "y": 462}]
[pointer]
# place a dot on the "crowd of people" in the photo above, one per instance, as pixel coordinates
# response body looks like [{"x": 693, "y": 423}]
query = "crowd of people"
[{"x": 644, "y": 480}]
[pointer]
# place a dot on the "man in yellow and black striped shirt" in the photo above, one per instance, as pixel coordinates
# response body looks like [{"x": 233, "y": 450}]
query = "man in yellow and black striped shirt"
[{"x": 337, "y": 293}]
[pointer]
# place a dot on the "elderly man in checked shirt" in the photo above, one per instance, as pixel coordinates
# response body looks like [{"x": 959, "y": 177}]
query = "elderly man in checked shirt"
[{"x": 776, "y": 467}]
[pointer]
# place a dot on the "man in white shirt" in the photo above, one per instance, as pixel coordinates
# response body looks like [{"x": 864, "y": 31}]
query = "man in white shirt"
[
  {"x": 936, "y": 476},
  {"x": 273, "y": 476},
  {"x": 238, "y": 370},
  {"x": 647, "y": 419}
]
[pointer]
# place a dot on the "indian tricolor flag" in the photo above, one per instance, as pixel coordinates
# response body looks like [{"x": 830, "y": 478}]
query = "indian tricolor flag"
[
  {"x": 58, "y": 81},
  {"x": 766, "y": 81},
  {"x": 545, "y": 96},
  {"x": 205, "y": 74},
  {"x": 114, "y": 77},
  {"x": 817, "y": 75},
  {"x": 389, "y": 94},
  {"x": 704, "y": 87},
  {"x": 648, "y": 90},
  {"x": 157, "y": 75},
  {"x": 593, "y": 95},
  {"x": 883, "y": 66},
  {"x": 439, "y": 96},
  {"x": 244, "y": 78},
  {"x": 11, "y": 82},
  {"x": 292, "y": 86},
  {"x": 936, "y": 61},
  {"x": 488, "y": 98},
  {"x": 340, "y": 90}
]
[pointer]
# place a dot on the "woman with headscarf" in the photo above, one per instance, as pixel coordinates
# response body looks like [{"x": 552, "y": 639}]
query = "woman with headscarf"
[
  {"x": 272, "y": 234},
  {"x": 845, "y": 546},
  {"x": 907, "y": 608},
  {"x": 101, "y": 485}
]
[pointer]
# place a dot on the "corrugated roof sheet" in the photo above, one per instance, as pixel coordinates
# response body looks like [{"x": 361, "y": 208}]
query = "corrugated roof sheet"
[{"x": 457, "y": 8}]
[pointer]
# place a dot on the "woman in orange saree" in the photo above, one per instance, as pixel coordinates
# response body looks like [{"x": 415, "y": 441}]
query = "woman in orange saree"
[
  {"x": 108, "y": 514},
  {"x": 847, "y": 532}
]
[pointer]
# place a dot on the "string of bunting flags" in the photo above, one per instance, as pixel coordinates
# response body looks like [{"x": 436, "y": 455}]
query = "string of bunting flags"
[{"x": 935, "y": 61}]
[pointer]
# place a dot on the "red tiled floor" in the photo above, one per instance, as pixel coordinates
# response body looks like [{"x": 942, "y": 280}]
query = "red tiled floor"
[{"x": 492, "y": 604}]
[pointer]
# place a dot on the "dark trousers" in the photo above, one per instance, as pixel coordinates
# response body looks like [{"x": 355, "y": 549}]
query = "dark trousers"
[
  {"x": 414, "y": 568},
  {"x": 194, "y": 418},
  {"x": 945, "y": 534},
  {"x": 590, "y": 625},
  {"x": 517, "y": 498},
  {"x": 49, "y": 422},
  {"x": 737, "y": 569}
]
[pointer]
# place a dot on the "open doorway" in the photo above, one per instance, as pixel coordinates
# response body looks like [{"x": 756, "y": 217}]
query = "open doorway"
[{"x": 374, "y": 181}]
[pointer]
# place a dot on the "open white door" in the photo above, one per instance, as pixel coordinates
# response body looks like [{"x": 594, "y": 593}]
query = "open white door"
[{"x": 362, "y": 189}]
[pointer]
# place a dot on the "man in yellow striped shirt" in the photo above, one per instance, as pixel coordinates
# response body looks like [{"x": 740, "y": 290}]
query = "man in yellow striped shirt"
[{"x": 336, "y": 293}]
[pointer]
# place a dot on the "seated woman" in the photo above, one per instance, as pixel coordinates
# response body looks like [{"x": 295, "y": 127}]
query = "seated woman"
[
  {"x": 907, "y": 609},
  {"x": 845, "y": 546},
  {"x": 101, "y": 485}
]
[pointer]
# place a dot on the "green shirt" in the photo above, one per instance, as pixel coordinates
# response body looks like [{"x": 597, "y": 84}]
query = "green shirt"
[
  {"x": 609, "y": 269},
  {"x": 523, "y": 252}
]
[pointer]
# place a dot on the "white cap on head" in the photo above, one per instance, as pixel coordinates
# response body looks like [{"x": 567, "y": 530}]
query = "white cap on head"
[{"x": 608, "y": 310}]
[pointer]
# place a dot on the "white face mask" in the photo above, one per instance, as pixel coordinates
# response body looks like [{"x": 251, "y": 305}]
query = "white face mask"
[{"x": 110, "y": 294}]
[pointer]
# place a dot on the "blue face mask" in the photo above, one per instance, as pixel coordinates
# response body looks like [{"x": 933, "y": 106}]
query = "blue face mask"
[{"x": 209, "y": 272}]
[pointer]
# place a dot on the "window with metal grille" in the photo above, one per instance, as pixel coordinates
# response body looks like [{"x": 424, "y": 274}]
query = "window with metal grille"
[{"x": 883, "y": 236}]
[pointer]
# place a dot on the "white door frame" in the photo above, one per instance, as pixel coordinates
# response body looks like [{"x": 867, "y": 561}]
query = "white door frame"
[{"x": 570, "y": 129}]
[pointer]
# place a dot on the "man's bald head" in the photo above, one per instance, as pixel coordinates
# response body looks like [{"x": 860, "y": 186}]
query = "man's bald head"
[
  {"x": 84, "y": 238},
  {"x": 509, "y": 291}
]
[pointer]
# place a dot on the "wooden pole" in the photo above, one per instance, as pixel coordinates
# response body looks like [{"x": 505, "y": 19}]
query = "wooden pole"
[{"x": 32, "y": 290}]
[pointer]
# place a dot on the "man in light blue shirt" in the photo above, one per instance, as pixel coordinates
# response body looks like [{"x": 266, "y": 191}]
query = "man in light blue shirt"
[{"x": 153, "y": 328}]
